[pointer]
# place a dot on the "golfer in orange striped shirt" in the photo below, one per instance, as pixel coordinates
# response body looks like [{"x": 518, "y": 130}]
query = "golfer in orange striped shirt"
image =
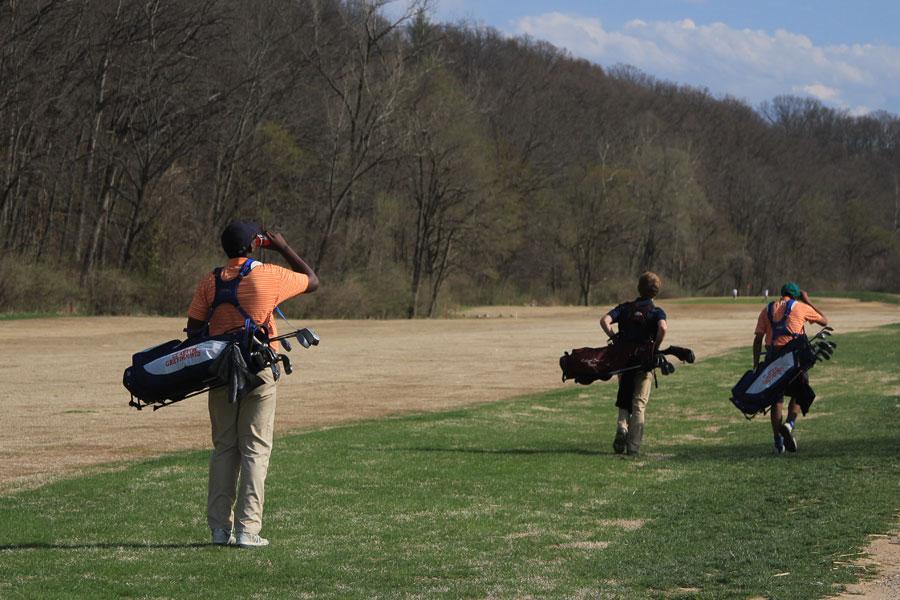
[
  {"x": 787, "y": 320},
  {"x": 242, "y": 432}
]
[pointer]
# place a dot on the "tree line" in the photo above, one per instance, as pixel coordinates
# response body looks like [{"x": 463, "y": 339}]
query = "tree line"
[{"x": 417, "y": 165}]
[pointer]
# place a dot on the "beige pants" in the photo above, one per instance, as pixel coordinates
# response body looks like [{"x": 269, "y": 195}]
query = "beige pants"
[
  {"x": 242, "y": 440},
  {"x": 634, "y": 424}
]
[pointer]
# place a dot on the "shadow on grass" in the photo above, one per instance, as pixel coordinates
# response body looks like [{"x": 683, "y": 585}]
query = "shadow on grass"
[
  {"x": 875, "y": 447},
  {"x": 514, "y": 451},
  {"x": 852, "y": 448},
  {"x": 100, "y": 546}
]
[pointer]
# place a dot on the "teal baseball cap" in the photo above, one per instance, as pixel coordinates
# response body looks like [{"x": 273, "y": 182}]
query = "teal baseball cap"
[{"x": 790, "y": 289}]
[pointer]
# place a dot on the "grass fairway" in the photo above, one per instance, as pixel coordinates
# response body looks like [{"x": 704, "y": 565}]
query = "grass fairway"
[
  {"x": 519, "y": 498},
  {"x": 864, "y": 296}
]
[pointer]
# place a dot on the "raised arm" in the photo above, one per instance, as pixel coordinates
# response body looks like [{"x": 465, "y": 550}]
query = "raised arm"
[
  {"x": 298, "y": 265},
  {"x": 805, "y": 298}
]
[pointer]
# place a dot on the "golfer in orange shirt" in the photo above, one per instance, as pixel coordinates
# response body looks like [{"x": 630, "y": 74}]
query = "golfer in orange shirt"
[
  {"x": 779, "y": 323},
  {"x": 242, "y": 431}
]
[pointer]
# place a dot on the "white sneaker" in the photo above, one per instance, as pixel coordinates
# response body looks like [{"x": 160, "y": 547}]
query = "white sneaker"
[
  {"x": 787, "y": 432},
  {"x": 222, "y": 537},
  {"x": 250, "y": 540}
]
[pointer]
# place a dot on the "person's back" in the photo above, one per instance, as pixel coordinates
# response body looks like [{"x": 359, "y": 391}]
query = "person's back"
[
  {"x": 263, "y": 288},
  {"x": 640, "y": 321},
  {"x": 798, "y": 315}
]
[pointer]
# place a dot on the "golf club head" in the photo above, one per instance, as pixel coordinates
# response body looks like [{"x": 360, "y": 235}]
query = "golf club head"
[
  {"x": 287, "y": 345},
  {"x": 312, "y": 339},
  {"x": 824, "y": 347},
  {"x": 682, "y": 354},
  {"x": 287, "y": 363},
  {"x": 824, "y": 355},
  {"x": 825, "y": 332},
  {"x": 303, "y": 341}
]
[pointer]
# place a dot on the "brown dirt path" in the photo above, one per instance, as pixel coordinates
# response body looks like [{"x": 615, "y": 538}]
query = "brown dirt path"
[
  {"x": 65, "y": 407},
  {"x": 882, "y": 556}
]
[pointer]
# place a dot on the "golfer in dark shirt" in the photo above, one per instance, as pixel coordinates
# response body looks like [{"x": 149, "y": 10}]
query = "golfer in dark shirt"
[{"x": 640, "y": 321}]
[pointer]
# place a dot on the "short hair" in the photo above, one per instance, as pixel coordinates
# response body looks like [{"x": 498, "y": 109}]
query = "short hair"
[{"x": 649, "y": 284}]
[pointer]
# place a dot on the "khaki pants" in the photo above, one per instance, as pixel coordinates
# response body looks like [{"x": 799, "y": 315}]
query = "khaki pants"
[
  {"x": 242, "y": 440},
  {"x": 634, "y": 423}
]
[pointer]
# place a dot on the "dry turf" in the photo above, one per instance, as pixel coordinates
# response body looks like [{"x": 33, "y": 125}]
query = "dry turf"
[{"x": 64, "y": 407}]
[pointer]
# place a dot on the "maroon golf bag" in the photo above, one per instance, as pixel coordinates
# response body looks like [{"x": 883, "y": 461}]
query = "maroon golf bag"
[{"x": 587, "y": 365}]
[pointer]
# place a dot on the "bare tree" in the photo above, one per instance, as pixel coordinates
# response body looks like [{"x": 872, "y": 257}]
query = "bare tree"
[{"x": 358, "y": 55}]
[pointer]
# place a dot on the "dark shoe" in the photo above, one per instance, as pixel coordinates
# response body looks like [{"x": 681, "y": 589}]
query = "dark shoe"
[
  {"x": 787, "y": 432},
  {"x": 779, "y": 445},
  {"x": 222, "y": 537},
  {"x": 619, "y": 441}
]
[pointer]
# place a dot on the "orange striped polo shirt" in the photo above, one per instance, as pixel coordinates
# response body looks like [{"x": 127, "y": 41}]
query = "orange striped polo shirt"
[
  {"x": 801, "y": 314},
  {"x": 265, "y": 287}
]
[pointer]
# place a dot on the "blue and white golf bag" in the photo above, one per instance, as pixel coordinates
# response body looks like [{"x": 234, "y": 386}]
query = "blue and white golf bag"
[
  {"x": 783, "y": 371},
  {"x": 175, "y": 370}
]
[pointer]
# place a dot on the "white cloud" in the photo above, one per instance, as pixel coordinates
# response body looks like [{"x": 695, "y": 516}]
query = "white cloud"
[
  {"x": 752, "y": 64},
  {"x": 817, "y": 90},
  {"x": 586, "y": 37}
]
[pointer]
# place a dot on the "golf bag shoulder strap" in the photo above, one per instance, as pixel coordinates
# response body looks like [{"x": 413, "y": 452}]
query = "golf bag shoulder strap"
[
  {"x": 637, "y": 310},
  {"x": 637, "y": 322},
  {"x": 780, "y": 327},
  {"x": 226, "y": 292}
]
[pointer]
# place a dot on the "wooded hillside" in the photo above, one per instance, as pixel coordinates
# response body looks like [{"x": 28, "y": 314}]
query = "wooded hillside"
[{"x": 417, "y": 166}]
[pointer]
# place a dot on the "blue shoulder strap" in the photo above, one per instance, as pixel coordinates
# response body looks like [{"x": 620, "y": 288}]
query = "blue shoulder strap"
[
  {"x": 226, "y": 293},
  {"x": 787, "y": 309},
  {"x": 779, "y": 328}
]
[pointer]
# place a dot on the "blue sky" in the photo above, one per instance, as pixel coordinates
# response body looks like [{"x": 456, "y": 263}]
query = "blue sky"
[{"x": 846, "y": 54}]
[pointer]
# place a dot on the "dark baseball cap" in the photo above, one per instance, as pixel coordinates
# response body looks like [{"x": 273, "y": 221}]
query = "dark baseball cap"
[{"x": 238, "y": 236}]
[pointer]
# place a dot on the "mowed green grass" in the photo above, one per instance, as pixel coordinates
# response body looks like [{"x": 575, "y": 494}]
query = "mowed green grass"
[
  {"x": 863, "y": 296},
  {"x": 516, "y": 499},
  {"x": 885, "y": 297}
]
